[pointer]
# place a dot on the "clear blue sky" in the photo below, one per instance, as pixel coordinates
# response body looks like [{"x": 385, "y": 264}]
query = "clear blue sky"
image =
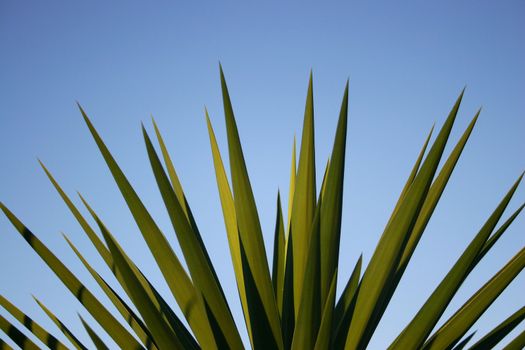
[{"x": 124, "y": 61}]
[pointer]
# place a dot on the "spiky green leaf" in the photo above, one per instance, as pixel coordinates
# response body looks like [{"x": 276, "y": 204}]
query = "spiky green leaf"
[
  {"x": 459, "y": 323},
  {"x": 196, "y": 256},
  {"x": 176, "y": 277},
  {"x": 324, "y": 336},
  {"x": 391, "y": 244},
  {"x": 309, "y": 317},
  {"x": 65, "y": 330},
  {"x": 121, "y": 336},
  {"x": 127, "y": 313},
  {"x": 517, "y": 343},
  {"x": 332, "y": 204},
  {"x": 45, "y": 337},
  {"x": 304, "y": 202},
  {"x": 97, "y": 341},
  {"x": 422, "y": 324},
  {"x": 16, "y": 335},
  {"x": 500, "y": 331},
  {"x": 279, "y": 255},
  {"x": 249, "y": 226},
  {"x": 164, "y": 336}
]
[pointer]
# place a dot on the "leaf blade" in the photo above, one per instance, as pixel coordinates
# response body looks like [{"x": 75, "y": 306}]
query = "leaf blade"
[
  {"x": 16, "y": 335},
  {"x": 459, "y": 323},
  {"x": 121, "y": 336},
  {"x": 304, "y": 202},
  {"x": 66, "y": 331},
  {"x": 250, "y": 231},
  {"x": 391, "y": 242},
  {"x": 332, "y": 203},
  {"x": 174, "y": 274},
  {"x": 97, "y": 341},
  {"x": 422, "y": 324},
  {"x": 42, "y": 334},
  {"x": 164, "y": 336},
  {"x": 196, "y": 256},
  {"x": 500, "y": 331}
]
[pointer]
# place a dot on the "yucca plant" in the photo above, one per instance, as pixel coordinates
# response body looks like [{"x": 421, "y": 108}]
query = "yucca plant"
[{"x": 293, "y": 305}]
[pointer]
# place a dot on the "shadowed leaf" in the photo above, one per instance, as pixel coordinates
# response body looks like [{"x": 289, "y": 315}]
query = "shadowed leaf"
[
  {"x": 332, "y": 204},
  {"x": 324, "y": 336},
  {"x": 99, "y": 344},
  {"x": 230, "y": 221},
  {"x": 43, "y": 335},
  {"x": 464, "y": 342},
  {"x": 121, "y": 336},
  {"x": 500, "y": 331},
  {"x": 459, "y": 323},
  {"x": 344, "y": 309},
  {"x": 16, "y": 335},
  {"x": 309, "y": 317},
  {"x": 391, "y": 243},
  {"x": 249, "y": 226},
  {"x": 279, "y": 256},
  {"x": 196, "y": 256},
  {"x": 69, "y": 335},
  {"x": 517, "y": 343},
  {"x": 127, "y": 313},
  {"x": 422, "y": 324},
  {"x": 176, "y": 277},
  {"x": 304, "y": 200},
  {"x": 164, "y": 336}
]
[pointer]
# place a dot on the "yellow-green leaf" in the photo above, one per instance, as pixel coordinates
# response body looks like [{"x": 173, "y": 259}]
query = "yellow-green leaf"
[
  {"x": 176, "y": 277},
  {"x": 459, "y": 323},
  {"x": 16, "y": 335},
  {"x": 175, "y": 182},
  {"x": 4, "y": 345},
  {"x": 309, "y": 317},
  {"x": 304, "y": 202},
  {"x": 249, "y": 226},
  {"x": 413, "y": 172},
  {"x": 279, "y": 255},
  {"x": 391, "y": 244},
  {"x": 127, "y": 313},
  {"x": 39, "y": 332},
  {"x": 430, "y": 203},
  {"x": 156, "y": 300},
  {"x": 201, "y": 270},
  {"x": 345, "y": 306},
  {"x": 422, "y": 324},
  {"x": 464, "y": 342},
  {"x": 494, "y": 237},
  {"x": 500, "y": 331},
  {"x": 332, "y": 204},
  {"x": 230, "y": 222},
  {"x": 164, "y": 336},
  {"x": 121, "y": 336},
  {"x": 324, "y": 336},
  {"x": 67, "y": 332},
  {"x": 97, "y": 341},
  {"x": 517, "y": 343},
  {"x": 101, "y": 248},
  {"x": 291, "y": 190},
  {"x": 434, "y": 194},
  {"x": 97, "y": 242}
]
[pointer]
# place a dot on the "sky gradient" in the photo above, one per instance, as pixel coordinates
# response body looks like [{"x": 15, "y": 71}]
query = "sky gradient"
[{"x": 126, "y": 61}]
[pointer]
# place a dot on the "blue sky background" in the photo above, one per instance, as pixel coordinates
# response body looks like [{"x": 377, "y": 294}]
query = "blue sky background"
[{"x": 123, "y": 61}]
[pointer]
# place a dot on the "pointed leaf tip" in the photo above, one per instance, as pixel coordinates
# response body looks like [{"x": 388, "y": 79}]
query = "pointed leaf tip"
[{"x": 221, "y": 71}]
